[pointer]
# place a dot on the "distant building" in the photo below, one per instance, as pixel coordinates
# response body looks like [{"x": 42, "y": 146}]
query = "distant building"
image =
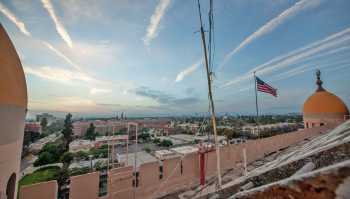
[
  {"x": 101, "y": 127},
  {"x": 81, "y": 145},
  {"x": 254, "y": 129},
  {"x": 32, "y": 127},
  {"x": 112, "y": 126},
  {"x": 323, "y": 107},
  {"x": 165, "y": 154},
  {"x": 50, "y": 118},
  {"x": 38, "y": 145},
  {"x": 109, "y": 139}
]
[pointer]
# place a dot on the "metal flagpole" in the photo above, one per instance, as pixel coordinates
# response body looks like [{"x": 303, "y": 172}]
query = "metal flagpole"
[
  {"x": 212, "y": 107},
  {"x": 256, "y": 104}
]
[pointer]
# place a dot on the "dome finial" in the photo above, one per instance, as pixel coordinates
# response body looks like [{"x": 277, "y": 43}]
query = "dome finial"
[{"x": 319, "y": 81}]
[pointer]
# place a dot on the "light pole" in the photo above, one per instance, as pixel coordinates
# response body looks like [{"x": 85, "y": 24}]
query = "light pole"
[{"x": 90, "y": 157}]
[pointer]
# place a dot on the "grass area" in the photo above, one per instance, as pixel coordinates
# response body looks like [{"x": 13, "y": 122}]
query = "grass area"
[{"x": 41, "y": 175}]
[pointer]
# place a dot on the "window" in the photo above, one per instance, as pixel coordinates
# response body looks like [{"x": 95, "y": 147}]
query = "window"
[
  {"x": 181, "y": 168},
  {"x": 160, "y": 172}
]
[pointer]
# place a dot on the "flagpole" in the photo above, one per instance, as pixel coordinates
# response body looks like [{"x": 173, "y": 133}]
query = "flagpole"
[{"x": 256, "y": 105}]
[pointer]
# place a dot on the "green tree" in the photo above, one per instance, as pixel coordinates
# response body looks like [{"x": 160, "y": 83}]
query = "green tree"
[
  {"x": 67, "y": 131},
  {"x": 90, "y": 132},
  {"x": 145, "y": 136},
  {"x": 49, "y": 154},
  {"x": 81, "y": 155},
  {"x": 166, "y": 143},
  {"x": 63, "y": 174},
  {"x": 66, "y": 158},
  {"x": 44, "y": 158}
]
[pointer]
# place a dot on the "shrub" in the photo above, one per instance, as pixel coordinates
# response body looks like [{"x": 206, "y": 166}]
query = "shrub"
[{"x": 166, "y": 143}]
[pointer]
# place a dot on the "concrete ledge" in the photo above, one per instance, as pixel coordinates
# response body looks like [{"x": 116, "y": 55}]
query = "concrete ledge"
[{"x": 325, "y": 183}]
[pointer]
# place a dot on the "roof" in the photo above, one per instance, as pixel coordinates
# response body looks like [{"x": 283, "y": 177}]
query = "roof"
[
  {"x": 184, "y": 150},
  {"x": 324, "y": 102},
  {"x": 12, "y": 80}
]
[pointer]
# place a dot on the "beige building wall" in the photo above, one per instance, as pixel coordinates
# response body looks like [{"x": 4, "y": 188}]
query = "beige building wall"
[
  {"x": 13, "y": 104},
  {"x": 149, "y": 180},
  {"x": 44, "y": 190},
  {"x": 84, "y": 186},
  {"x": 150, "y": 186},
  {"x": 120, "y": 183}
]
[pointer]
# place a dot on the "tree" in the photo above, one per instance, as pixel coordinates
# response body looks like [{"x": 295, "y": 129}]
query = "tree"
[
  {"x": 66, "y": 158},
  {"x": 81, "y": 155},
  {"x": 166, "y": 143},
  {"x": 90, "y": 132},
  {"x": 44, "y": 158},
  {"x": 67, "y": 131},
  {"x": 145, "y": 137},
  {"x": 63, "y": 175},
  {"x": 43, "y": 123},
  {"x": 49, "y": 154}
]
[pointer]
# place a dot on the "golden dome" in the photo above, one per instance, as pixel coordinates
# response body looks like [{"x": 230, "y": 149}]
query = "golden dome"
[
  {"x": 324, "y": 102},
  {"x": 12, "y": 80}
]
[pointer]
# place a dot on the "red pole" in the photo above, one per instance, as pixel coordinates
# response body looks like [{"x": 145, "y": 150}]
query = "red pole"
[{"x": 201, "y": 166}]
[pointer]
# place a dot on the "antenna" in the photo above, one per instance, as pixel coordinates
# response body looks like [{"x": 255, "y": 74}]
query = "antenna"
[{"x": 211, "y": 102}]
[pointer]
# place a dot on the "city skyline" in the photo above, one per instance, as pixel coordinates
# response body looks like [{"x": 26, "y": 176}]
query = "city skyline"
[{"x": 98, "y": 58}]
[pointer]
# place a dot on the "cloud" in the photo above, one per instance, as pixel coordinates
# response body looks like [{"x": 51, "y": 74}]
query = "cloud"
[
  {"x": 308, "y": 67},
  {"x": 57, "y": 74},
  {"x": 152, "y": 29},
  {"x": 163, "y": 98},
  {"x": 60, "y": 54},
  {"x": 95, "y": 91},
  {"x": 273, "y": 24},
  {"x": 59, "y": 27},
  {"x": 187, "y": 71},
  {"x": 76, "y": 11},
  {"x": 12, "y": 17},
  {"x": 310, "y": 51}
]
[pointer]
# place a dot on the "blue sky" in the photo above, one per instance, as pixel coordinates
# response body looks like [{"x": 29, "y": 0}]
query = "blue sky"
[{"x": 144, "y": 57}]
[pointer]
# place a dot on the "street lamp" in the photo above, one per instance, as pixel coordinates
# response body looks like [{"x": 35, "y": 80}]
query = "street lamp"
[{"x": 90, "y": 157}]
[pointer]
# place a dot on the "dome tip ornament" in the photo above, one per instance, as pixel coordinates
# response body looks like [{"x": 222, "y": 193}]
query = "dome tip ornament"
[{"x": 319, "y": 81}]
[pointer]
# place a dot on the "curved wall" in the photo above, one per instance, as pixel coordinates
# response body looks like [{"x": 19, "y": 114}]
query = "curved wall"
[{"x": 13, "y": 105}]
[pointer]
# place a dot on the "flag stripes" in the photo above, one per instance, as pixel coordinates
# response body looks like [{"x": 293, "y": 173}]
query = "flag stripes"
[{"x": 264, "y": 87}]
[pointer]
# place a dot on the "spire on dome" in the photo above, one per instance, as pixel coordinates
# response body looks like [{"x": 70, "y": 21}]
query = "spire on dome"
[{"x": 319, "y": 81}]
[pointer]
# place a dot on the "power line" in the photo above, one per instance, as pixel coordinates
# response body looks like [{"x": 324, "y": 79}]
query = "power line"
[{"x": 212, "y": 107}]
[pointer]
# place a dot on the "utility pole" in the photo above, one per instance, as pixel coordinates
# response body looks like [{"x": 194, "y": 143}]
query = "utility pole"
[
  {"x": 212, "y": 107},
  {"x": 256, "y": 105}
]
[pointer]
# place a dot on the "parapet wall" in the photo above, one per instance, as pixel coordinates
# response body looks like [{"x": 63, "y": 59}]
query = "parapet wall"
[{"x": 176, "y": 173}]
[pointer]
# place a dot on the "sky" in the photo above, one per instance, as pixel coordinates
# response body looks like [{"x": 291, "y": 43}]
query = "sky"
[{"x": 100, "y": 58}]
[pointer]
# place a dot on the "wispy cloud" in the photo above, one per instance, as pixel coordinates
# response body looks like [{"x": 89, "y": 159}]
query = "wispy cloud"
[
  {"x": 312, "y": 50},
  {"x": 187, "y": 71},
  {"x": 57, "y": 74},
  {"x": 60, "y": 54},
  {"x": 273, "y": 24},
  {"x": 307, "y": 67},
  {"x": 59, "y": 27},
  {"x": 152, "y": 29},
  {"x": 12, "y": 17},
  {"x": 94, "y": 91},
  {"x": 164, "y": 98}
]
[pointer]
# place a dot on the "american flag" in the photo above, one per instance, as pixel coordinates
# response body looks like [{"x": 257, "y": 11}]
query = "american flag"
[{"x": 263, "y": 87}]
